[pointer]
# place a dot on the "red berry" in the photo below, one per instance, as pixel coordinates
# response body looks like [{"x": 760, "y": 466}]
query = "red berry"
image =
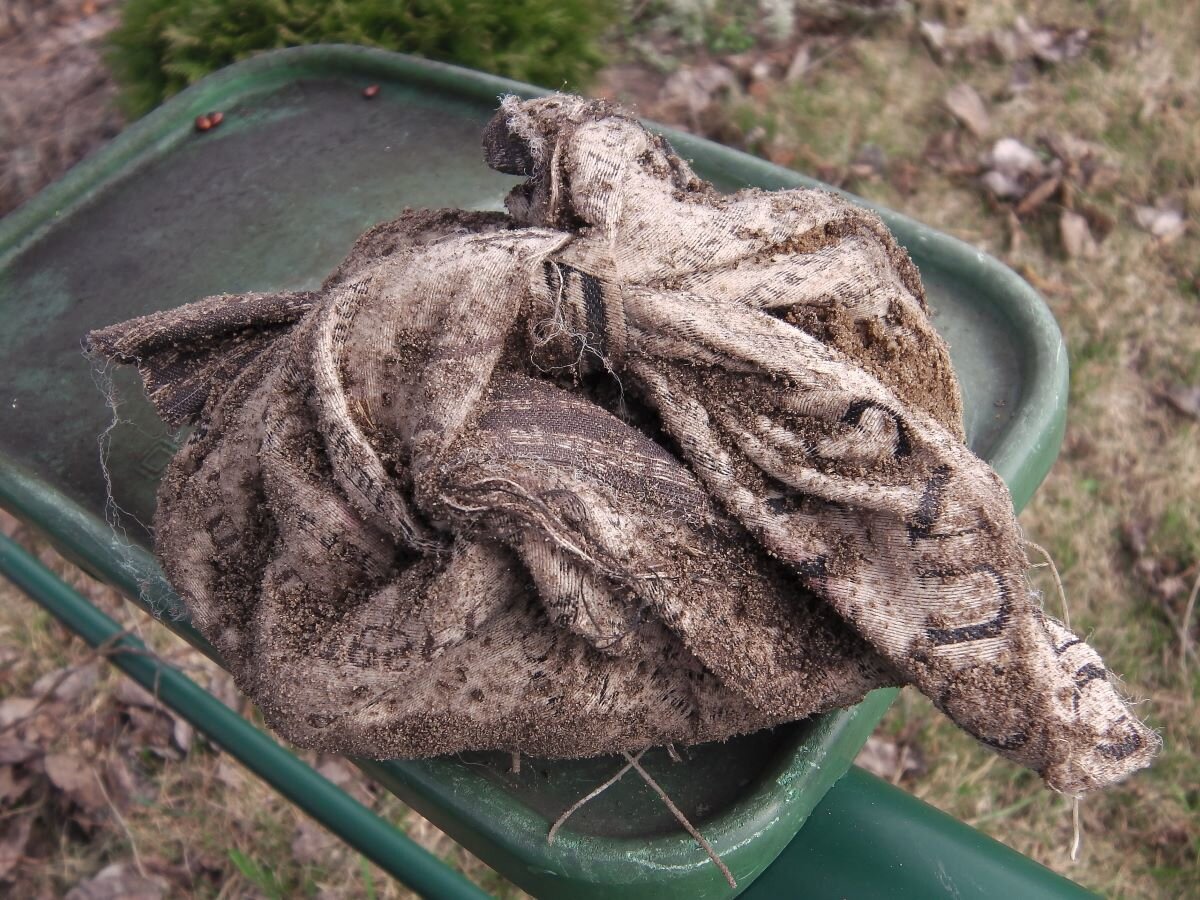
[
  {"x": 371, "y": 90},
  {"x": 203, "y": 123},
  {"x": 216, "y": 118}
]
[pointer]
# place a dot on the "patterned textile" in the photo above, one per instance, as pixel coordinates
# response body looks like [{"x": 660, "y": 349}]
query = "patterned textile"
[{"x": 636, "y": 463}]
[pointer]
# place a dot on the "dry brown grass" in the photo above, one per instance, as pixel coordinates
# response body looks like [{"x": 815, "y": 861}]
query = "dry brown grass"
[
  {"x": 179, "y": 816},
  {"x": 1121, "y": 510}
]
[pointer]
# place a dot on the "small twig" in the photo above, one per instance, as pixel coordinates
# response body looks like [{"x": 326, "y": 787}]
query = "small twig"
[
  {"x": 19, "y": 811},
  {"x": 675, "y": 811},
  {"x": 137, "y": 857},
  {"x": 515, "y": 768},
  {"x": 561, "y": 820}
]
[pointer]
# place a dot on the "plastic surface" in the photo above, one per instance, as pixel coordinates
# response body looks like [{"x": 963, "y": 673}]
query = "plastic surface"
[
  {"x": 870, "y": 839},
  {"x": 272, "y": 200}
]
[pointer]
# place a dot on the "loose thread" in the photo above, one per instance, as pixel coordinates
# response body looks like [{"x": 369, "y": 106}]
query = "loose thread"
[
  {"x": 1077, "y": 839},
  {"x": 675, "y": 811},
  {"x": 561, "y": 820},
  {"x": 1062, "y": 594}
]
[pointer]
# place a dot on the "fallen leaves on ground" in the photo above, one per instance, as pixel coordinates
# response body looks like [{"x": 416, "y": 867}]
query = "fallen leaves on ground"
[
  {"x": 968, "y": 107},
  {"x": 1076, "y": 235},
  {"x": 67, "y": 684},
  {"x": 890, "y": 759},
  {"x": 1045, "y": 45},
  {"x": 1164, "y": 220},
  {"x": 77, "y": 780},
  {"x": 312, "y": 842},
  {"x": 1167, "y": 576},
  {"x": 14, "y": 837},
  {"x": 1183, "y": 398},
  {"x": 119, "y": 881}
]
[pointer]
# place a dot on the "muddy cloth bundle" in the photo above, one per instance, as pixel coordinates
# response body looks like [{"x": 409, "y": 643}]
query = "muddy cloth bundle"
[{"x": 636, "y": 463}]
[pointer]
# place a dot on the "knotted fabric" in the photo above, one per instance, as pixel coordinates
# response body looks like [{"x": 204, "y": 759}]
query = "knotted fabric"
[{"x": 635, "y": 463}]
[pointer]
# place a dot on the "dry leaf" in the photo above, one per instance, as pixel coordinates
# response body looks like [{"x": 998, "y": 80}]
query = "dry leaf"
[
  {"x": 14, "y": 709},
  {"x": 1135, "y": 533},
  {"x": 1013, "y": 167},
  {"x": 934, "y": 36},
  {"x": 692, "y": 89},
  {"x": 1049, "y": 44},
  {"x": 968, "y": 107},
  {"x": 903, "y": 175},
  {"x": 1172, "y": 586},
  {"x": 74, "y": 777},
  {"x": 230, "y": 774},
  {"x": 182, "y": 878},
  {"x": 311, "y": 842},
  {"x": 77, "y": 681},
  {"x": 1076, "y": 236},
  {"x": 182, "y": 733},
  {"x": 869, "y": 162},
  {"x": 46, "y": 725},
  {"x": 14, "y": 750},
  {"x": 336, "y": 770},
  {"x": 1033, "y": 200},
  {"x": 13, "y": 786},
  {"x": 155, "y": 731},
  {"x": 130, "y": 693},
  {"x": 1002, "y": 186},
  {"x": 122, "y": 783},
  {"x": 888, "y": 759},
  {"x": 1165, "y": 221},
  {"x": 947, "y": 44},
  {"x": 8, "y": 523},
  {"x": 798, "y": 67},
  {"x": 1185, "y": 399},
  {"x": 1013, "y": 158},
  {"x": 117, "y": 882},
  {"x": 14, "y": 836}
]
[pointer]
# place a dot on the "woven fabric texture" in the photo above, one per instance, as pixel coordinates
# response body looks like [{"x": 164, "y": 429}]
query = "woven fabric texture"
[{"x": 634, "y": 463}]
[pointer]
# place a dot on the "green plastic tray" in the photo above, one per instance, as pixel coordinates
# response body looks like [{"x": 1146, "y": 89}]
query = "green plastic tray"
[{"x": 272, "y": 200}]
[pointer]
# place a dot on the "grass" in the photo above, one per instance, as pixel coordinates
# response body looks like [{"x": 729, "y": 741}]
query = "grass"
[{"x": 1131, "y": 318}]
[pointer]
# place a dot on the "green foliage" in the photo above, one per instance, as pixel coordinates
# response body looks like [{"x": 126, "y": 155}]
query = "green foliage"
[
  {"x": 258, "y": 875},
  {"x": 162, "y": 46},
  {"x": 368, "y": 879}
]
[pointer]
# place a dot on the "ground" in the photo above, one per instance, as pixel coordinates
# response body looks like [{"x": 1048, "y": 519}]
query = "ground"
[{"x": 1059, "y": 137}]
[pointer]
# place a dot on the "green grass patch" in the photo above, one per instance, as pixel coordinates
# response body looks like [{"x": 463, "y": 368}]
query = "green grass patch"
[{"x": 162, "y": 46}]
